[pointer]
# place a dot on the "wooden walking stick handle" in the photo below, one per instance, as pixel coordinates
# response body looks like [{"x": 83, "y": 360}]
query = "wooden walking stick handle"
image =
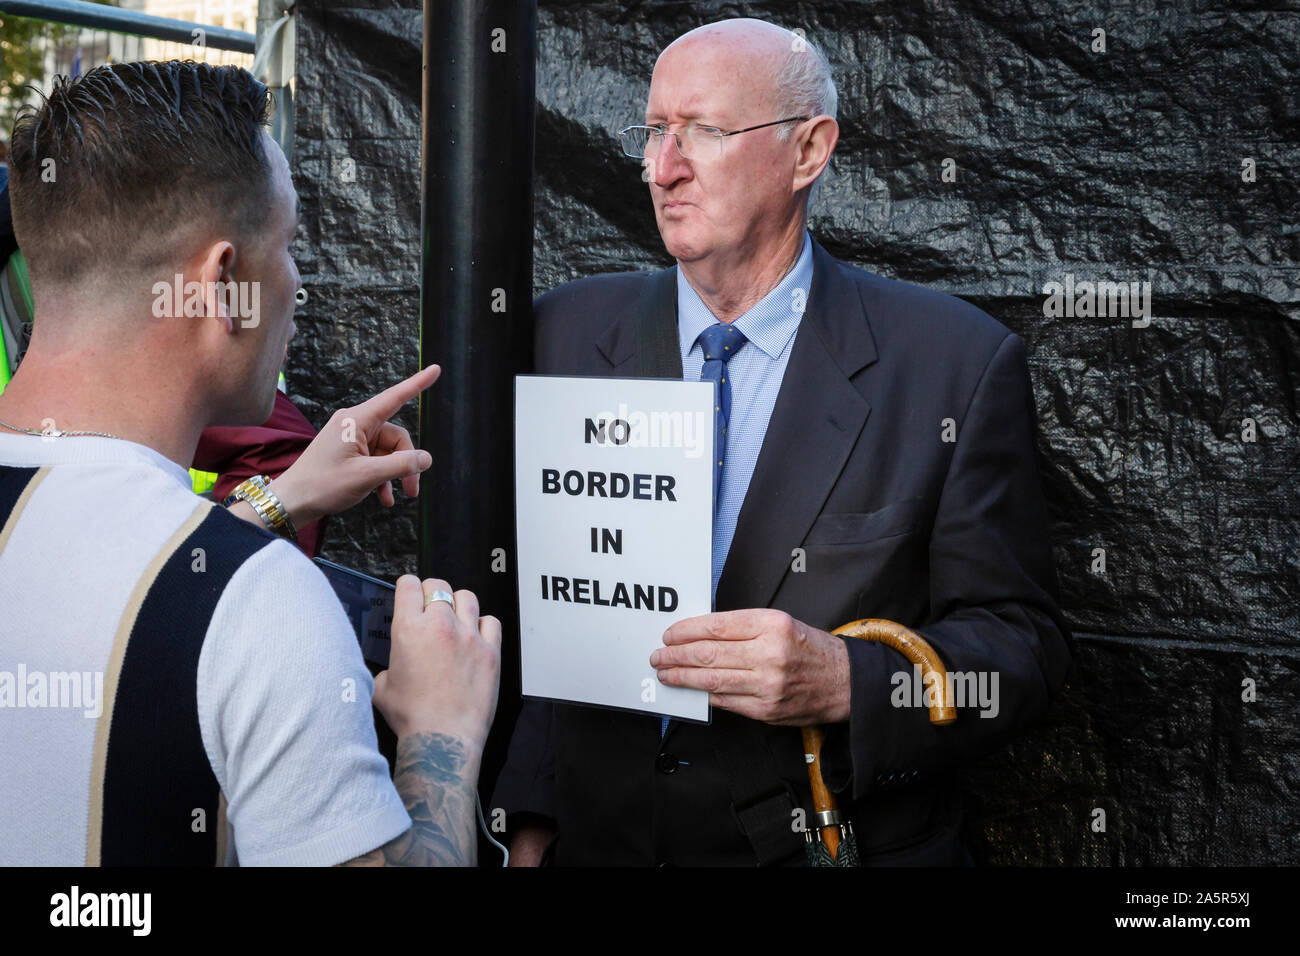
[{"x": 827, "y": 819}]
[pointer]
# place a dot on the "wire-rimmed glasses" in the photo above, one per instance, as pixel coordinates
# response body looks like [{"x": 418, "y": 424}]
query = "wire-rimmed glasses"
[{"x": 693, "y": 140}]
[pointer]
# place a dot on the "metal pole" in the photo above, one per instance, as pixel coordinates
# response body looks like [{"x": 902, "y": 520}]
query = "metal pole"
[
  {"x": 275, "y": 62},
  {"x": 476, "y": 225}
]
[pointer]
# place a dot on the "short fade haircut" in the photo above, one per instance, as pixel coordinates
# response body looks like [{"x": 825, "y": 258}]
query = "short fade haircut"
[{"x": 111, "y": 165}]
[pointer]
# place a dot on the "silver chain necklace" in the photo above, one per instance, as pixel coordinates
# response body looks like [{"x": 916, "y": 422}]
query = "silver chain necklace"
[{"x": 56, "y": 433}]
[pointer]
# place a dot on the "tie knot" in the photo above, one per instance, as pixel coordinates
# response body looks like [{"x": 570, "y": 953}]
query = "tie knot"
[{"x": 720, "y": 342}]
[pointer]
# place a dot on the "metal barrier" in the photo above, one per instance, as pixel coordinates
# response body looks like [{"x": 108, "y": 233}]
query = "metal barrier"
[
  {"x": 97, "y": 16},
  {"x": 71, "y": 37}
]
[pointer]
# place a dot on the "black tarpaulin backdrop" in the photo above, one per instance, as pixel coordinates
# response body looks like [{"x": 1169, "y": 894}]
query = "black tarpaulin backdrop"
[{"x": 1123, "y": 165}]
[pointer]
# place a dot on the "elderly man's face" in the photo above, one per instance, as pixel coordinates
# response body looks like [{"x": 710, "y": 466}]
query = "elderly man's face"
[{"x": 732, "y": 195}]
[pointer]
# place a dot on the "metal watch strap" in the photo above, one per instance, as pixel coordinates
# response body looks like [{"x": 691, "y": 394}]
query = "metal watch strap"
[
  {"x": 257, "y": 492},
  {"x": 276, "y": 514}
]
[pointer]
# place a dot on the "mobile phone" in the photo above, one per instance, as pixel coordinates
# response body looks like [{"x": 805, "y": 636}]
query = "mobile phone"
[{"x": 368, "y": 602}]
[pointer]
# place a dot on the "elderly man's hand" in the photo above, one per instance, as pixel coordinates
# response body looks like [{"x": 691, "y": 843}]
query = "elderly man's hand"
[{"x": 759, "y": 663}]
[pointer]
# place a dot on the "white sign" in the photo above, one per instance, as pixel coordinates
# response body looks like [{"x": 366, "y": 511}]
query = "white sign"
[{"x": 614, "y": 497}]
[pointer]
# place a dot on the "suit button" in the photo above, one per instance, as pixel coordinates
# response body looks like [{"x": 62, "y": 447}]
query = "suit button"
[
  {"x": 666, "y": 763},
  {"x": 665, "y": 865},
  {"x": 892, "y": 776}
]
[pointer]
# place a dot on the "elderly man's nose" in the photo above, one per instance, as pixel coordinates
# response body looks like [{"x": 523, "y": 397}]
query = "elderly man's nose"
[{"x": 669, "y": 165}]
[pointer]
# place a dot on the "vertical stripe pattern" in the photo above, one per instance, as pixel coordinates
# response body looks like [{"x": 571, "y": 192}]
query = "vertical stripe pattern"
[
  {"x": 154, "y": 798},
  {"x": 17, "y": 485}
]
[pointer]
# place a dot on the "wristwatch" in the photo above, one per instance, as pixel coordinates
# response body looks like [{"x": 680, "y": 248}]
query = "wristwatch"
[{"x": 257, "y": 492}]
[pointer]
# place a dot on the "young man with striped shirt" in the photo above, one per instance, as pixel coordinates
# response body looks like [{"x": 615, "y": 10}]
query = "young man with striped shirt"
[{"x": 178, "y": 685}]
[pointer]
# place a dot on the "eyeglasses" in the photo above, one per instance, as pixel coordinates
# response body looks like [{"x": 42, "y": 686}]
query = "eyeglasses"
[{"x": 693, "y": 141}]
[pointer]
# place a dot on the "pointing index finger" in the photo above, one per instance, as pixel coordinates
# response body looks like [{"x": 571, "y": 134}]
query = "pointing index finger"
[{"x": 386, "y": 404}]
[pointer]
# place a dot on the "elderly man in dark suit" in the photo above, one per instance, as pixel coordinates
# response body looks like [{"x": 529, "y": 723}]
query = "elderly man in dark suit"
[{"x": 877, "y": 461}]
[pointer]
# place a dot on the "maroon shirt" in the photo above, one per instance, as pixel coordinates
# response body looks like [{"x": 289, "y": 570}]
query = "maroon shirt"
[{"x": 236, "y": 453}]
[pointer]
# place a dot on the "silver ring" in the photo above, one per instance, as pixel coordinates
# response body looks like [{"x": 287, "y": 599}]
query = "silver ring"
[{"x": 441, "y": 596}]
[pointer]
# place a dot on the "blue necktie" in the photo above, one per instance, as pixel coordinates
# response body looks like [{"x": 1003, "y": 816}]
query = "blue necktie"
[{"x": 719, "y": 342}]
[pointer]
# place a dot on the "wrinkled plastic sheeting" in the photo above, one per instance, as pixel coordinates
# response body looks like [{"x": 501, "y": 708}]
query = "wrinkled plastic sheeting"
[
  {"x": 1168, "y": 448},
  {"x": 357, "y": 172}
]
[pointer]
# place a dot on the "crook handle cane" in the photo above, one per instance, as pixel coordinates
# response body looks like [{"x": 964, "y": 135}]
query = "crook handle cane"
[{"x": 829, "y": 824}]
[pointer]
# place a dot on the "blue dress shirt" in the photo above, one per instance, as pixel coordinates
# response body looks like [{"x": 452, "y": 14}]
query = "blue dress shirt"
[{"x": 755, "y": 375}]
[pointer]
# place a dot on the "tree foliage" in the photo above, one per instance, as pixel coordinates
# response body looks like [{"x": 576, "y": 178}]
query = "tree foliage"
[{"x": 22, "y": 60}]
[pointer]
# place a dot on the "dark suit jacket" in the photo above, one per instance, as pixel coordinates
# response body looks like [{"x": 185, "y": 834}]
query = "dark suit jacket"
[{"x": 947, "y": 537}]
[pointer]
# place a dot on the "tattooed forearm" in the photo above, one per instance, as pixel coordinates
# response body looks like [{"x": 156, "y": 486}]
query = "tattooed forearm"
[{"x": 437, "y": 781}]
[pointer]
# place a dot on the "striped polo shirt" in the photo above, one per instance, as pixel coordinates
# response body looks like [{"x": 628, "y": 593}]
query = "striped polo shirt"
[{"x": 177, "y": 686}]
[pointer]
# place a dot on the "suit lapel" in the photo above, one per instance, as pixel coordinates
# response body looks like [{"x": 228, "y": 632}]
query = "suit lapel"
[
  {"x": 643, "y": 343},
  {"x": 815, "y": 423}
]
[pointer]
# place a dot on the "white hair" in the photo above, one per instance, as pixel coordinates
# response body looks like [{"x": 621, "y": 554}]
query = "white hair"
[{"x": 804, "y": 87}]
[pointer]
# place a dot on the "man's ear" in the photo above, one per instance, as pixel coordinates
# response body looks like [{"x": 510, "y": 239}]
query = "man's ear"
[
  {"x": 816, "y": 143},
  {"x": 214, "y": 267}
]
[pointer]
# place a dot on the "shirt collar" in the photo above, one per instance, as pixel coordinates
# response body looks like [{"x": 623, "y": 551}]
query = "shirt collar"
[
  {"x": 38, "y": 451},
  {"x": 770, "y": 324}
]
